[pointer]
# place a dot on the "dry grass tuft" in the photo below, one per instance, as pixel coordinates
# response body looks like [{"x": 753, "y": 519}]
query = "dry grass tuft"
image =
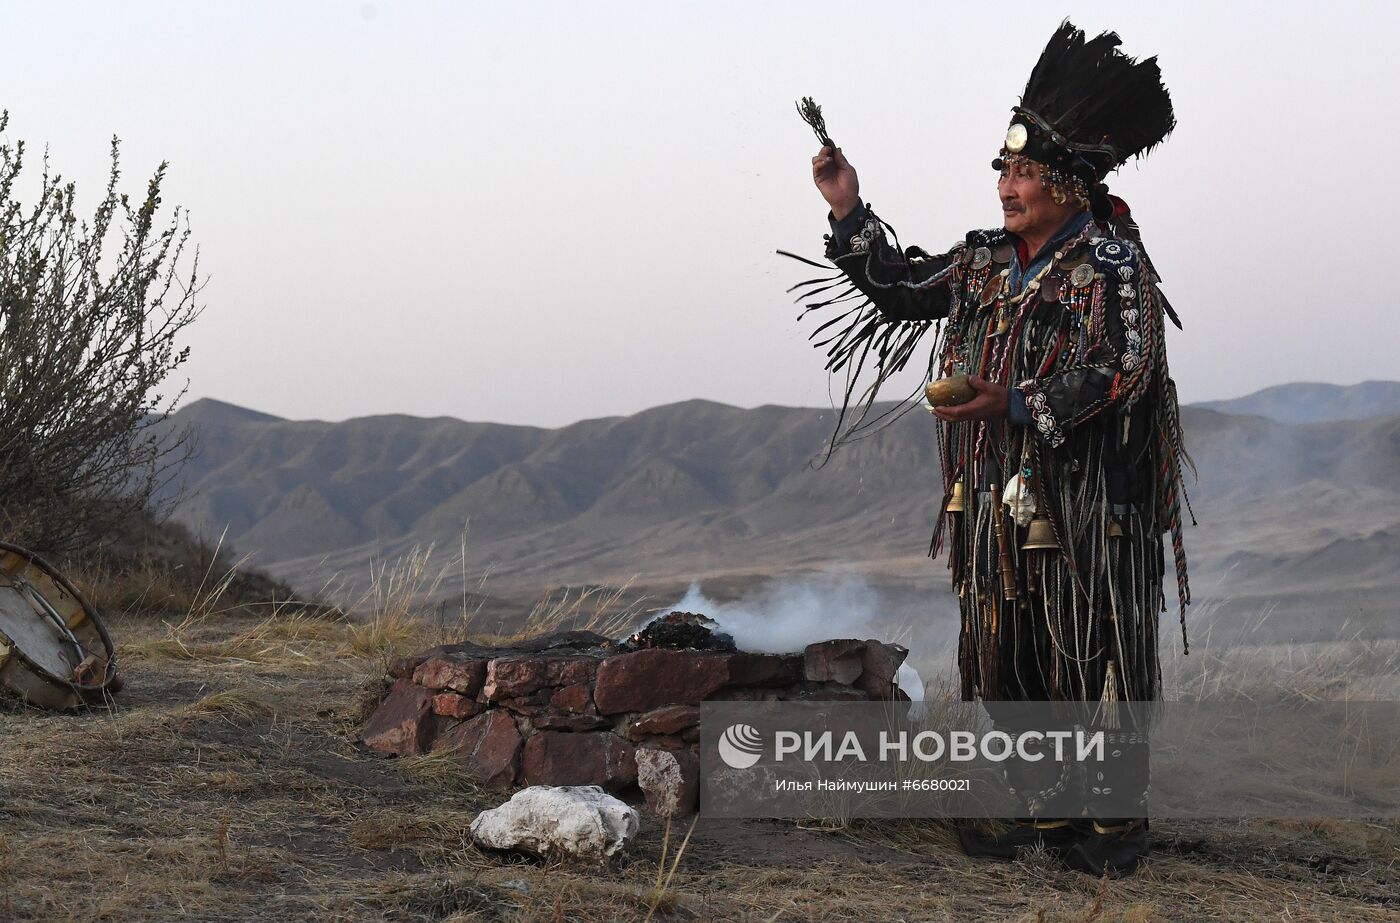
[
  {"x": 240, "y": 705},
  {"x": 433, "y": 829},
  {"x": 444, "y": 770},
  {"x": 389, "y": 635},
  {"x": 662, "y": 897},
  {"x": 606, "y": 610}
]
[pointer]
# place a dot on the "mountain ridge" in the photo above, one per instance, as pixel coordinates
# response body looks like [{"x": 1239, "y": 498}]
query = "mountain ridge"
[
  {"x": 699, "y": 488},
  {"x": 1314, "y": 402}
]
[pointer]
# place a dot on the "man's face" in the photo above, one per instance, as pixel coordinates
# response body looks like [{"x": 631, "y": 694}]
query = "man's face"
[{"x": 1026, "y": 206}]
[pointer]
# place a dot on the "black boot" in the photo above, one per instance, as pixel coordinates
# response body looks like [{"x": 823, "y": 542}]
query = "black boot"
[
  {"x": 1044, "y": 792},
  {"x": 1119, "y": 784},
  {"x": 1055, "y": 836},
  {"x": 1111, "y": 847}
]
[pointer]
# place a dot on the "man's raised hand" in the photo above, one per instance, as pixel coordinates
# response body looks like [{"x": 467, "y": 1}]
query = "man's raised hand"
[{"x": 836, "y": 181}]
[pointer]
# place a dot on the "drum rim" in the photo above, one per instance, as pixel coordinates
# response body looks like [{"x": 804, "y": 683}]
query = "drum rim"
[{"x": 67, "y": 586}]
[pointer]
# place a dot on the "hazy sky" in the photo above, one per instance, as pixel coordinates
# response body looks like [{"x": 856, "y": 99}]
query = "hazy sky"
[{"x": 540, "y": 212}]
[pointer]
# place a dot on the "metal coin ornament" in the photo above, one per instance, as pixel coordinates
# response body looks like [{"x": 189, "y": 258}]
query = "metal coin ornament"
[
  {"x": 1081, "y": 275},
  {"x": 990, "y": 290},
  {"x": 1016, "y": 138},
  {"x": 949, "y": 392}
]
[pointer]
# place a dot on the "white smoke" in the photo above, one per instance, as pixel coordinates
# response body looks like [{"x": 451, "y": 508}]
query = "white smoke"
[{"x": 787, "y": 615}]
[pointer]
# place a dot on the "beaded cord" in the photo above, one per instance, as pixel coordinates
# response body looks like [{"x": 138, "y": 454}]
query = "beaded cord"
[{"x": 1062, "y": 186}]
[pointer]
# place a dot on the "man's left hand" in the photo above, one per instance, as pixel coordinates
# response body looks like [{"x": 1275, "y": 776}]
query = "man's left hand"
[{"x": 989, "y": 404}]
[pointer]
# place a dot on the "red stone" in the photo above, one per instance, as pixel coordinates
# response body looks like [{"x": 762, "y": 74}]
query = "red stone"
[
  {"x": 562, "y": 758},
  {"x": 402, "y": 725},
  {"x": 489, "y": 746},
  {"x": 837, "y": 661},
  {"x": 531, "y": 705},
  {"x": 515, "y": 676},
  {"x": 448, "y": 671},
  {"x": 575, "y": 639},
  {"x": 403, "y": 667},
  {"x": 662, "y": 742},
  {"x": 670, "y": 780},
  {"x": 748, "y": 669},
  {"x": 571, "y": 723},
  {"x": 573, "y": 700},
  {"x": 567, "y": 671},
  {"x": 879, "y": 675},
  {"x": 668, "y": 719},
  {"x": 648, "y": 679},
  {"x": 454, "y": 705}
]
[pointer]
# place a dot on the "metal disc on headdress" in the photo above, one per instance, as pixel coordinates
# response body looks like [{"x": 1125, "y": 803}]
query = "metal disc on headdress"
[{"x": 1016, "y": 137}]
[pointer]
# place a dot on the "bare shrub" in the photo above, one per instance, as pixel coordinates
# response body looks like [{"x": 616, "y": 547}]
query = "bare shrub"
[{"x": 91, "y": 311}]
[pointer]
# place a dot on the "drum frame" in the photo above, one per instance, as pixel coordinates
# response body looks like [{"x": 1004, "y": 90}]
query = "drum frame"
[{"x": 37, "y": 580}]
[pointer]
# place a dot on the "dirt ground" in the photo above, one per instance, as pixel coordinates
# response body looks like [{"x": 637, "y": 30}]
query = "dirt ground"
[{"x": 227, "y": 783}]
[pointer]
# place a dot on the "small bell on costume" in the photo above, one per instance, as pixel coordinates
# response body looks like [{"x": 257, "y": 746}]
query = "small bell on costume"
[{"x": 1040, "y": 536}]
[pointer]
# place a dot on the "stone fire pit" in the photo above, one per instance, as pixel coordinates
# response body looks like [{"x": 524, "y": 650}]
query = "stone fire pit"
[{"x": 576, "y": 708}]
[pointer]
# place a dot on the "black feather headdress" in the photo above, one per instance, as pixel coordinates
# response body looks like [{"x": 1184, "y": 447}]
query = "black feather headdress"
[{"x": 1088, "y": 107}]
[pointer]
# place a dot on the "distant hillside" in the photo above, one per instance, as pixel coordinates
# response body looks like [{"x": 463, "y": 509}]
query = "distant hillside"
[
  {"x": 1311, "y": 402},
  {"x": 699, "y": 481},
  {"x": 702, "y": 489}
]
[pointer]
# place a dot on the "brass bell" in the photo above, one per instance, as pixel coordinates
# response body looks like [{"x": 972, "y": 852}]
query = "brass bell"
[
  {"x": 1115, "y": 530},
  {"x": 955, "y": 502},
  {"x": 1040, "y": 536}
]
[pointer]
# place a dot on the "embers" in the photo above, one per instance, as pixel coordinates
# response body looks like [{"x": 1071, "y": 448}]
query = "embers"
[{"x": 683, "y": 630}]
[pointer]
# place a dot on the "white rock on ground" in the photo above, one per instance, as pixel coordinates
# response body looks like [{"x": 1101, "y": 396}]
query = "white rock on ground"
[{"x": 573, "y": 820}]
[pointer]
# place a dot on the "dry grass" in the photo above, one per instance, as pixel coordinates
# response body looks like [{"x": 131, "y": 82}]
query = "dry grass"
[
  {"x": 227, "y": 783},
  {"x": 1251, "y": 663},
  {"x": 609, "y": 611}
]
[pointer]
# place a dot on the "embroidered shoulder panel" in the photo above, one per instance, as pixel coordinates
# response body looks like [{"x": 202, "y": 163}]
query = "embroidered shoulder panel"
[
  {"x": 1118, "y": 262},
  {"x": 1111, "y": 255}
]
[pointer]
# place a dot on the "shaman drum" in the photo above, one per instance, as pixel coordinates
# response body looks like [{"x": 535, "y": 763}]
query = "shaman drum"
[{"x": 54, "y": 650}]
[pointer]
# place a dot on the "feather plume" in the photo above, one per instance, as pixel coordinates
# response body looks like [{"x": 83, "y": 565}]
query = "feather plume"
[{"x": 1093, "y": 94}]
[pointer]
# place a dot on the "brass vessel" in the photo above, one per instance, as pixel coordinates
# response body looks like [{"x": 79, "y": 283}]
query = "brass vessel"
[{"x": 950, "y": 391}]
